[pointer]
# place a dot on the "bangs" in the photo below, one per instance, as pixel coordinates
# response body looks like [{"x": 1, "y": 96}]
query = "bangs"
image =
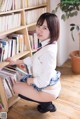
[{"x": 40, "y": 22}]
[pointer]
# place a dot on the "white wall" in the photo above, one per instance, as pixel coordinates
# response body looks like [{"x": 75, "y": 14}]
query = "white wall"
[
  {"x": 62, "y": 42},
  {"x": 74, "y": 45},
  {"x": 65, "y": 42}
]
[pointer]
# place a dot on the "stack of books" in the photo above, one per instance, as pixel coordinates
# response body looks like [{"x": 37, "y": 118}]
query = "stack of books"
[{"x": 9, "y": 75}]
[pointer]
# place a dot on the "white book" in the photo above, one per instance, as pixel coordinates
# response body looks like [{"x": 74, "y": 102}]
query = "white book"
[
  {"x": 5, "y": 48},
  {"x": 1, "y": 1},
  {"x": 17, "y": 43},
  {"x": 37, "y": 2},
  {"x": 14, "y": 47},
  {"x": 15, "y": 36},
  {"x": 25, "y": 3},
  {"x": 8, "y": 5},
  {"x": 9, "y": 22},
  {"x": 13, "y": 4},
  {"x": 15, "y": 21},
  {"x": 30, "y": 3},
  {"x": 33, "y": 14},
  {"x": 12, "y": 21},
  {"x": 35, "y": 41},
  {"x": 9, "y": 48},
  {"x": 44, "y": 1},
  {"x": 6, "y": 23},
  {"x": 2, "y": 5},
  {"x": 31, "y": 41},
  {"x": 18, "y": 20},
  {"x": 17, "y": 4},
  {"x": 7, "y": 90},
  {"x": 10, "y": 84},
  {"x": 28, "y": 17},
  {"x": 40, "y": 2},
  {"x": 3, "y": 8},
  {"x": 0, "y": 24}
]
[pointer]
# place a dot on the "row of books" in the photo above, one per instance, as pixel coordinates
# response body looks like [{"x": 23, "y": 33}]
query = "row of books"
[
  {"x": 10, "y": 21},
  {"x": 31, "y": 3},
  {"x": 34, "y": 14},
  {"x": 6, "y": 5},
  {"x": 9, "y": 75},
  {"x": 34, "y": 41},
  {"x": 11, "y": 45}
]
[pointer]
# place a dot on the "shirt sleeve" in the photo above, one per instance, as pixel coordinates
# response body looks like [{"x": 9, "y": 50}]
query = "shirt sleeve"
[
  {"x": 48, "y": 65},
  {"x": 28, "y": 61}
]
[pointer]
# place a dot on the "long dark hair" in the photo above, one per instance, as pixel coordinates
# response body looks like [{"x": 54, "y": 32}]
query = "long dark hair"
[{"x": 53, "y": 25}]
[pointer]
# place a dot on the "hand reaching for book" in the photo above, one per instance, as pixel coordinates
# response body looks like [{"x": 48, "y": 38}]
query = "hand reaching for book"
[
  {"x": 11, "y": 61},
  {"x": 14, "y": 62}
]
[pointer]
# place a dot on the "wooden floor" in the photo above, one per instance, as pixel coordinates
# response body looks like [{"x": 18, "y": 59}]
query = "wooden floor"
[{"x": 68, "y": 104}]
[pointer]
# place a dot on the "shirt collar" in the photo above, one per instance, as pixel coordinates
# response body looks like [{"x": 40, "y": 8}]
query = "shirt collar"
[{"x": 45, "y": 42}]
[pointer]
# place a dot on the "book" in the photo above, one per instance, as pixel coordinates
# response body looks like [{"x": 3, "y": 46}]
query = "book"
[
  {"x": 9, "y": 73},
  {"x": 7, "y": 90},
  {"x": 9, "y": 81},
  {"x": 10, "y": 84},
  {"x": 5, "y": 47},
  {"x": 19, "y": 72}
]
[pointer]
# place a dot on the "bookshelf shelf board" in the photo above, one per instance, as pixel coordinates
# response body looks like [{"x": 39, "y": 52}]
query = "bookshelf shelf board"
[
  {"x": 30, "y": 25},
  {"x": 34, "y": 50},
  {"x": 12, "y": 100},
  {"x": 21, "y": 55},
  {"x": 3, "y": 64},
  {"x": 12, "y": 30},
  {"x": 11, "y": 11},
  {"x": 34, "y": 7}
]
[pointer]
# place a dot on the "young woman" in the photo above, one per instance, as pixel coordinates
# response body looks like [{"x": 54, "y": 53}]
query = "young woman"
[{"x": 44, "y": 86}]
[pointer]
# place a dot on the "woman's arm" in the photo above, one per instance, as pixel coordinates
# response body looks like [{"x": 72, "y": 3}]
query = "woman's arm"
[
  {"x": 30, "y": 81},
  {"x": 14, "y": 62}
]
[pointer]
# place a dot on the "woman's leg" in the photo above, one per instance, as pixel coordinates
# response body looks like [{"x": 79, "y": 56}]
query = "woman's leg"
[{"x": 30, "y": 92}]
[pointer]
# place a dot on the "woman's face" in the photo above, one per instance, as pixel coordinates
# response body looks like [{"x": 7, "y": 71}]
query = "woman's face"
[{"x": 43, "y": 32}]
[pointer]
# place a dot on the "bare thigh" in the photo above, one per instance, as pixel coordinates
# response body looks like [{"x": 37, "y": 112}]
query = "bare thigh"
[{"x": 30, "y": 92}]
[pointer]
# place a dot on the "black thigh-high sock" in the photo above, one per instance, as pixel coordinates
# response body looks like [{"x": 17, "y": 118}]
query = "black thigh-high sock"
[{"x": 26, "y": 98}]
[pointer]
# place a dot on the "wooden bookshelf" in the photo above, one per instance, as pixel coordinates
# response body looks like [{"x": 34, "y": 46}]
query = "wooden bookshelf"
[
  {"x": 34, "y": 7},
  {"x": 12, "y": 30},
  {"x": 3, "y": 96},
  {"x": 2, "y": 64},
  {"x": 12, "y": 100},
  {"x": 30, "y": 25},
  {"x": 11, "y": 11},
  {"x": 23, "y": 29}
]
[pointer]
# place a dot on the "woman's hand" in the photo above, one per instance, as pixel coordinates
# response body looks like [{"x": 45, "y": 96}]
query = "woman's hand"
[
  {"x": 14, "y": 62},
  {"x": 30, "y": 81},
  {"x": 11, "y": 61}
]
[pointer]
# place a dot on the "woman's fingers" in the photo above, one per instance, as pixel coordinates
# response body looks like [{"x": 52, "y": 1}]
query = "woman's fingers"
[{"x": 10, "y": 60}]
